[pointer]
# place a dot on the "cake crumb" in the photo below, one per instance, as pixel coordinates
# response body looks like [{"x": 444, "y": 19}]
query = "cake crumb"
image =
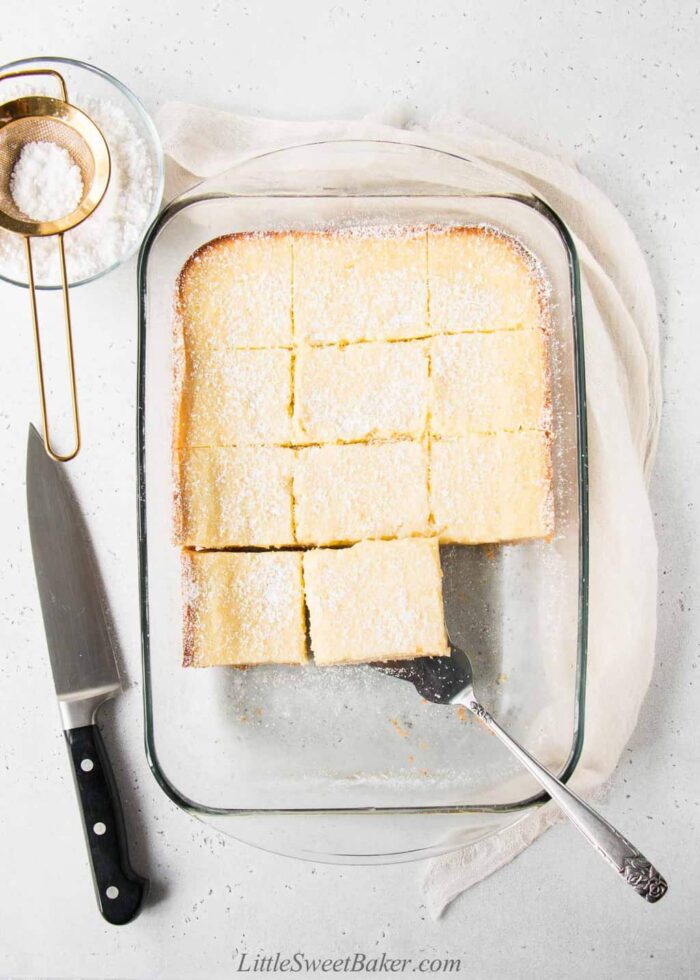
[{"x": 399, "y": 729}]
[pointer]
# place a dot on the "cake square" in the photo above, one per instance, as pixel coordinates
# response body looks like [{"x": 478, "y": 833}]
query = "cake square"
[
  {"x": 361, "y": 391},
  {"x": 234, "y": 497},
  {"x": 235, "y": 398},
  {"x": 360, "y": 286},
  {"x": 243, "y": 608},
  {"x": 343, "y": 494},
  {"x": 379, "y": 600},
  {"x": 490, "y": 488},
  {"x": 487, "y": 382},
  {"x": 236, "y": 291},
  {"x": 480, "y": 280}
]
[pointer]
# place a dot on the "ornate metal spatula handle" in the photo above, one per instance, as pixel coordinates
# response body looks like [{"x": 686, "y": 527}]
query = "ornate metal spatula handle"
[{"x": 610, "y": 844}]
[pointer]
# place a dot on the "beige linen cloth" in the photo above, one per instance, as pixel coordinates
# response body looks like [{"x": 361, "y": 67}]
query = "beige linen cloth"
[{"x": 624, "y": 399}]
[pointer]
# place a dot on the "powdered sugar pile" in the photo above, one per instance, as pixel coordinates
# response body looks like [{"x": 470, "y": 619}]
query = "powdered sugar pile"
[
  {"x": 117, "y": 223},
  {"x": 45, "y": 183}
]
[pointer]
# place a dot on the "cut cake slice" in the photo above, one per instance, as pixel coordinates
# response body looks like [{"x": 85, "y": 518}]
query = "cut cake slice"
[
  {"x": 243, "y": 609},
  {"x": 376, "y": 601}
]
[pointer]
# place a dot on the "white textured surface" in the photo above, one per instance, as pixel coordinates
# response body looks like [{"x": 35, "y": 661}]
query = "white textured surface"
[{"x": 614, "y": 88}]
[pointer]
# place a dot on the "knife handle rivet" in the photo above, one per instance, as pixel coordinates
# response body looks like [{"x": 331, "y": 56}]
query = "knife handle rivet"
[
  {"x": 99, "y": 828},
  {"x": 87, "y": 765},
  {"x": 112, "y": 892}
]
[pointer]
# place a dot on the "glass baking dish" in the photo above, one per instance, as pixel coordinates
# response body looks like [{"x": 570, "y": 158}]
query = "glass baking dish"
[{"x": 345, "y": 764}]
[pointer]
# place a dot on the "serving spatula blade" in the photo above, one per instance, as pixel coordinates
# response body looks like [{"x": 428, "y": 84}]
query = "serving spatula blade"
[{"x": 438, "y": 679}]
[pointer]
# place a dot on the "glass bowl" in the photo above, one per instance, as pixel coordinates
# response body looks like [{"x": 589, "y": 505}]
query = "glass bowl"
[{"x": 89, "y": 82}]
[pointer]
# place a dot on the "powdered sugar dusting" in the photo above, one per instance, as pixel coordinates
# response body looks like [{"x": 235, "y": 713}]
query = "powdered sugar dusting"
[
  {"x": 360, "y": 286},
  {"x": 236, "y": 291},
  {"x": 349, "y": 493},
  {"x": 232, "y": 497},
  {"x": 378, "y": 600},
  {"x": 362, "y": 391},
  {"x": 492, "y": 487},
  {"x": 489, "y": 382},
  {"x": 234, "y": 397},
  {"x": 483, "y": 280},
  {"x": 243, "y": 608}
]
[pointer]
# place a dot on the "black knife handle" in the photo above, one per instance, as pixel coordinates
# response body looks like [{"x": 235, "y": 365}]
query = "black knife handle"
[{"x": 120, "y": 891}]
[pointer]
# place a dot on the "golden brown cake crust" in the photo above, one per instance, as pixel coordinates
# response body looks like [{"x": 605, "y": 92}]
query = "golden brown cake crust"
[
  {"x": 188, "y": 618},
  {"x": 527, "y": 262},
  {"x": 218, "y": 244}
]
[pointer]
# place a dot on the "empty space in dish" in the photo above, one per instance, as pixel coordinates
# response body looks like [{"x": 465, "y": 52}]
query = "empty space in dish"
[{"x": 349, "y": 737}]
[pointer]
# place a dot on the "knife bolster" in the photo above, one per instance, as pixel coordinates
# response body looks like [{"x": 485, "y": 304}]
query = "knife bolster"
[{"x": 79, "y": 712}]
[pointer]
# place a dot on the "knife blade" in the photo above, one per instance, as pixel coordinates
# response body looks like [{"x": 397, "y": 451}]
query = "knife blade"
[{"x": 84, "y": 670}]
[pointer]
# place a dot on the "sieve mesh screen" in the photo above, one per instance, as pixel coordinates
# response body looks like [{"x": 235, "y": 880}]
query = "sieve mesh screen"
[{"x": 29, "y": 129}]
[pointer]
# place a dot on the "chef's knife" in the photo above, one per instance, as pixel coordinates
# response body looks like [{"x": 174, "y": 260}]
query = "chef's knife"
[{"x": 84, "y": 671}]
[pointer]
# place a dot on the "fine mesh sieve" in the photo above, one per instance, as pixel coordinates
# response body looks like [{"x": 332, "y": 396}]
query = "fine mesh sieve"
[{"x": 39, "y": 118}]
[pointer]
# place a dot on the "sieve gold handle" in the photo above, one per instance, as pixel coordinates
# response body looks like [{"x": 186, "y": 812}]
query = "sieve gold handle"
[
  {"x": 39, "y": 360},
  {"x": 39, "y": 71}
]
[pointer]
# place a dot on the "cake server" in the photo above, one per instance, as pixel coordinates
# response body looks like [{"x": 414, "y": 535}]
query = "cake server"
[
  {"x": 84, "y": 671},
  {"x": 449, "y": 680}
]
